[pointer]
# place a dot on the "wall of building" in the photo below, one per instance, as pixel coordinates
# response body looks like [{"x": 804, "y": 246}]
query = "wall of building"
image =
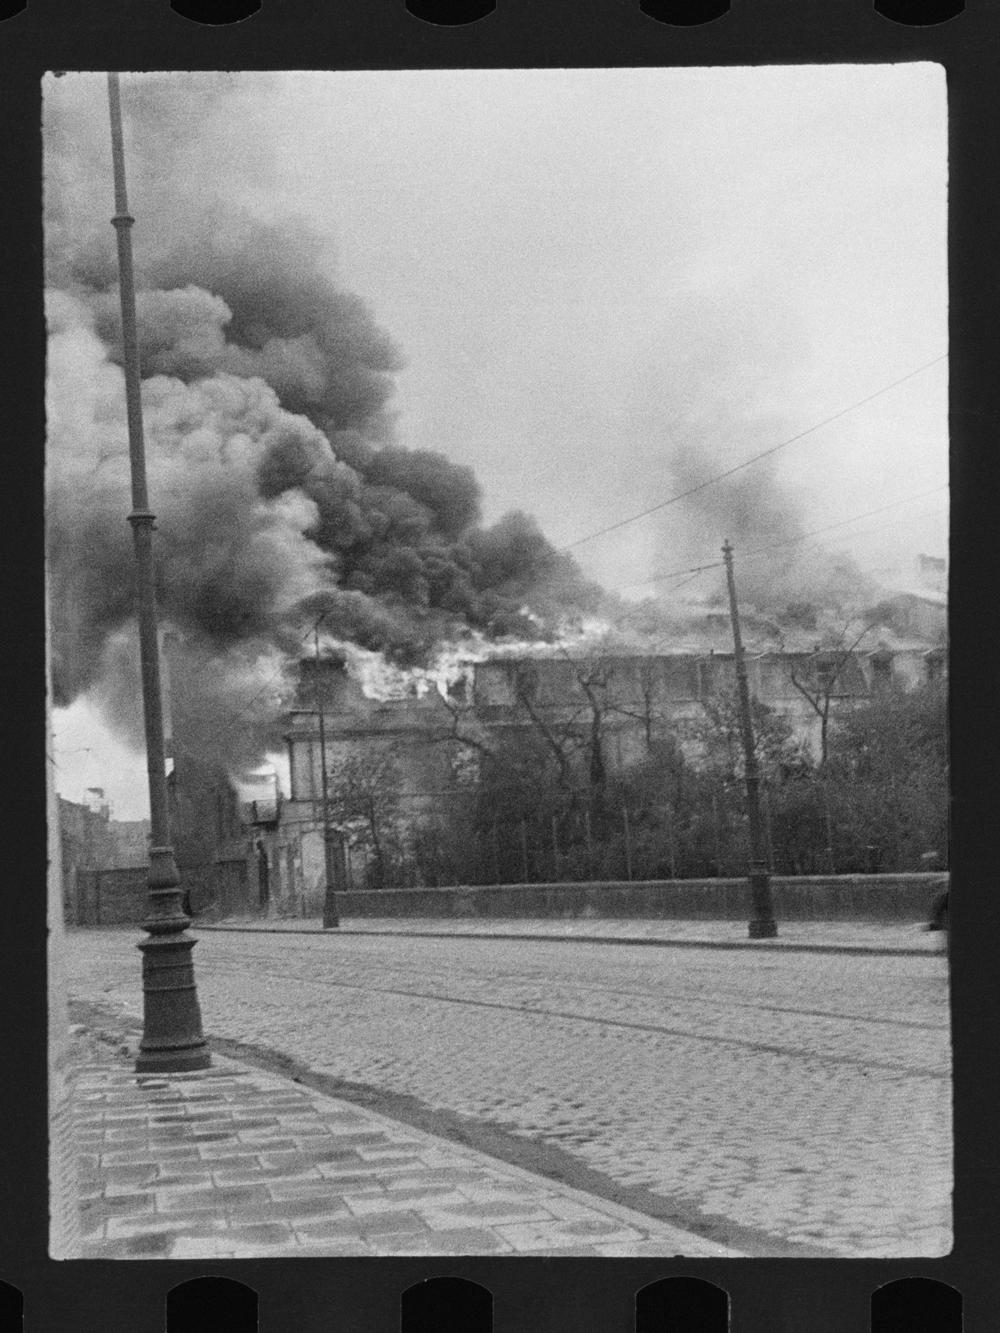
[
  {"x": 86, "y": 840},
  {"x": 109, "y": 897},
  {"x": 206, "y": 820},
  {"x": 129, "y": 842},
  {"x": 667, "y": 692},
  {"x": 658, "y": 683},
  {"x": 410, "y": 733},
  {"x": 885, "y": 898},
  {"x": 119, "y": 897},
  {"x": 89, "y": 841},
  {"x": 637, "y": 695},
  {"x": 224, "y": 888},
  {"x": 64, "y": 1214},
  {"x": 920, "y": 615}
]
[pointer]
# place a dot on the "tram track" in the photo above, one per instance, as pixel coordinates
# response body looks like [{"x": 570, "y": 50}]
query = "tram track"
[
  {"x": 722, "y": 997},
  {"x": 628, "y": 1025},
  {"x": 798, "y": 1100}
]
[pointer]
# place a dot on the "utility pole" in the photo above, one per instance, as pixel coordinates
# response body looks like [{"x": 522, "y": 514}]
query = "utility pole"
[
  {"x": 762, "y": 925},
  {"x": 331, "y": 921},
  {"x": 172, "y": 1039}
]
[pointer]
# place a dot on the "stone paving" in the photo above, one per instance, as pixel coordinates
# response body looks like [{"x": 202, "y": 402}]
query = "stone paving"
[
  {"x": 797, "y": 1099},
  {"x": 231, "y": 1162}
]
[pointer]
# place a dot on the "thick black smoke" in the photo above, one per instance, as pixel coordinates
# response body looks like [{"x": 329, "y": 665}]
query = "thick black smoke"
[
  {"x": 781, "y": 577},
  {"x": 788, "y": 579},
  {"x": 267, "y": 390}
]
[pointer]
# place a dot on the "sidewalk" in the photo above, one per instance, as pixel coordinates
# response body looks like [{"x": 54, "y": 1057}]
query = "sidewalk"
[
  {"x": 235, "y": 1162},
  {"x": 849, "y": 937}
]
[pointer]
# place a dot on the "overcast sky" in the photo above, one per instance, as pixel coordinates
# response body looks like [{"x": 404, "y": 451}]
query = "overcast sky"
[
  {"x": 584, "y": 269},
  {"x": 571, "y": 259}
]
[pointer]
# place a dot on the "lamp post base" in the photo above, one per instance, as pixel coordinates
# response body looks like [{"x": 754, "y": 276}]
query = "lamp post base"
[
  {"x": 172, "y": 1039},
  {"x": 172, "y": 1062}
]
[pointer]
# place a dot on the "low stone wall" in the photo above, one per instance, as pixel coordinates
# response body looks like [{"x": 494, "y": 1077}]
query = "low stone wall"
[{"x": 802, "y": 898}]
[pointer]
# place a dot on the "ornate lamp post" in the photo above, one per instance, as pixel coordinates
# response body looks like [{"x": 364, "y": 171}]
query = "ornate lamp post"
[
  {"x": 762, "y": 924},
  {"x": 172, "y": 1039}
]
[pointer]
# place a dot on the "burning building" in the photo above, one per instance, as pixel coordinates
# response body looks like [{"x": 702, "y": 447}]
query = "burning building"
[
  {"x": 423, "y": 748},
  {"x": 279, "y": 488},
  {"x": 283, "y": 496}
]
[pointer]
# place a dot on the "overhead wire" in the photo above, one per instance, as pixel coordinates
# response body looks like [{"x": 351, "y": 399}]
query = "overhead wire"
[
  {"x": 791, "y": 541},
  {"x": 870, "y": 513},
  {"x": 688, "y": 575},
  {"x": 243, "y": 713},
  {"x": 756, "y": 458}
]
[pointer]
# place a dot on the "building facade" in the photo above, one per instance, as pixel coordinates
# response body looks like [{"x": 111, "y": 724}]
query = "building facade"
[
  {"x": 414, "y": 753},
  {"x": 92, "y": 843}
]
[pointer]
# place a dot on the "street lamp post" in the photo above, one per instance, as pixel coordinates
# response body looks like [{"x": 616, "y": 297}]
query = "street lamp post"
[
  {"x": 762, "y": 925},
  {"x": 172, "y": 1039},
  {"x": 331, "y": 843}
]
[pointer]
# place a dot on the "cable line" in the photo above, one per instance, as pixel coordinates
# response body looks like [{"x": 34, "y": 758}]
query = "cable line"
[
  {"x": 721, "y": 476},
  {"x": 792, "y": 541}
]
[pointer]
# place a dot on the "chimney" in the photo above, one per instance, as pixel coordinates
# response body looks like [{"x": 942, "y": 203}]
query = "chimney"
[
  {"x": 326, "y": 680},
  {"x": 932, "y": 573}
]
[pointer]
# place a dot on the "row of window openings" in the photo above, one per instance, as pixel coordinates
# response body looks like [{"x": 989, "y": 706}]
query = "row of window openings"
[
  {"x": 881, "y": 664},
  {"x": 456, "y": 1305}
]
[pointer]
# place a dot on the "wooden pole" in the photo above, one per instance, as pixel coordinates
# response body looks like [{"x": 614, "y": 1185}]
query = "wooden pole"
[
  {"x": 762, "y": 925},
  {"x": 331, "y": 920}
]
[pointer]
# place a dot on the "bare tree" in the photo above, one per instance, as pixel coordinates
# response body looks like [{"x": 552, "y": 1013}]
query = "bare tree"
[
  {"x": 594, "y": 679},
  {"x": 365, "y": 796},
  {"x": 820, "y": 676},
  {"x": 647, "y": 711},
  {"x": 561, "y": 735},
  {"x": 466, "y": 730},
  {"x": 719, "y": 736}
]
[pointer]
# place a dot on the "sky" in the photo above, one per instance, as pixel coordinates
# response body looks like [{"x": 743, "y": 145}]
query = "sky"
[{"x": 590, "y": 271}]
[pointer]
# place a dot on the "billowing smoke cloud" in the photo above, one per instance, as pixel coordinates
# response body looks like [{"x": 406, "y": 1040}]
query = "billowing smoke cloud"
[
  {"x": 780, "y": 575},
  {"x": 279, "y": 491},
  {"x": 715, "y": 413}
]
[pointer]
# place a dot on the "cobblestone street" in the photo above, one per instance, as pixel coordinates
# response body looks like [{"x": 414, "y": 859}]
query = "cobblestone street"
[{"x": 788, "y": 1102}]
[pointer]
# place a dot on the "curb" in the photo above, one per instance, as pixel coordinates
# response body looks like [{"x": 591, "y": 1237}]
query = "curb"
[
  {"x": 694, "y": 1245},
  {"x": 876, "y": 950}
]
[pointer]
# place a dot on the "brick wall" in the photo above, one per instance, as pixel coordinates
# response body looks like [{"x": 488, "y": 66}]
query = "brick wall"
[
  {"x": 805, "y": 898},
  {"x": 109, "y": 897},
  {"x": 64, "y": 1213},
  {"x": 118, "y": 897}
]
